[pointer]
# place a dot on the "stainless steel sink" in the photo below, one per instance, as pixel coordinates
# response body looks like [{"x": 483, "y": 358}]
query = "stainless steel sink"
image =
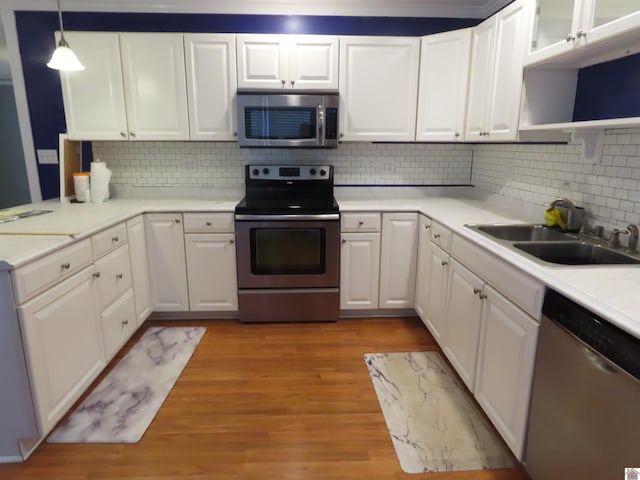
[
  {"x": 575, "y": 253},
  {"x": 524, "y": 233}
]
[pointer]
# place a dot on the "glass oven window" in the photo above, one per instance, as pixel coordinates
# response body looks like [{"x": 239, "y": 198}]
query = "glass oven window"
[
  {"x": 273, "y": 123},
  {"x": 287, "y": 251}
]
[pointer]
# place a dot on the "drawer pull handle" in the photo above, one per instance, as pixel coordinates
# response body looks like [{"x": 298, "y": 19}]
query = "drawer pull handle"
[
  {"x": 476, "y": 291},
  {"x": 427, "y": 227},
  {"x": 208, "y": 224},
  {"x": 436, "y": 235},
  {"x": 96, "y": 275},
  {"x": 482, "y": 296},
  {"x": 177, "y": 220},
  {"x": 232, "y": 241},
  {"x": 65, "y": 266},
  {"x": 360, "y": 223},
  {"x": 115, "y": 239},
  {"x": 125, "y": 322},
  {"x": 344, "y": 240},
  {"x": 444, "y": 263},
  {"x": 119, "y": 275}
]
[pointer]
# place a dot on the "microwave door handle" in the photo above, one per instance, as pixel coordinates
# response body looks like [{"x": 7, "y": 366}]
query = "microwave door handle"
[{"x": 321, "y": 124}]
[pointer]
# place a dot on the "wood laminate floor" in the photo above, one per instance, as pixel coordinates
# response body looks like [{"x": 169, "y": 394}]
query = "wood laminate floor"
[{"x": 262, "y": 401}]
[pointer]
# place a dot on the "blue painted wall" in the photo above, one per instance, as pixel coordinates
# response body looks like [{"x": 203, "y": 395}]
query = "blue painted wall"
[
  {"x": 609, "y": 90},
  {"x": 36, "y": 30}
]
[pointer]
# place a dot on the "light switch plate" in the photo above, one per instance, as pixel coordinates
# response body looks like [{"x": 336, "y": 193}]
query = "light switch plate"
[{"x": 47, "y": 157}]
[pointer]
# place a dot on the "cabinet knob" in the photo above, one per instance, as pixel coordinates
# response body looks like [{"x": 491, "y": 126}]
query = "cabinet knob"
[
  {"x": 341, "y": 135},
  {"x": 436, "y": 235},
  {"x": 344, "y": 240},
  {"x": 427, "y": 227},
  {"x": 123, "y": 134},
  {"x": 125, "y": 322},
  {"x": 96, "y": 275},
  {"x": 293, "y": 82},
  {"x": 177, "y": 220},
  {"x": 119, "y": 275},
  {"x": 360, "y": 223},
  {"x": 232, "y": 241},
  {"x": 235, "y": 134},
  {"x": 444, "y": 263},
  {"x": 581, "y": 33},
  {"x": 476, "y": 291},
  {"x": 457, "y": 134},
  {"x": 114, "y": 239},
  {"x": 283, "y": 83},
  {"x": 208, "y": 224},
  {"x": 132, "y": 134},
  {"x": 482, "y": 296},
  {"x": 65, "y": 266},
  {"x": 570, "y": 37}
]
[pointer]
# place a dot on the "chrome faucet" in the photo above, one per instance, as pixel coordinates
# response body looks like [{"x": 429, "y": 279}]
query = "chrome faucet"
[
  {"x": 566, "y": 201},
  {"x": 614, "y": 239},
  {"x": 633, "y": 238}
]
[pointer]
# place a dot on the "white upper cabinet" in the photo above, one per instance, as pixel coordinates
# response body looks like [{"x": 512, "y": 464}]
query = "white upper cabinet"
[
  {"x": 378, "y": 88},
  {"x": 94, "y": 102},
  {"x": 211, "y": 85},
  {"x": 496, "y": 75},
  {"x": 155, "y": 86},
  {"x": 444, "y": 77},
  {"x": 288, "y": 61},
  {"x": 564, "y": 32}
]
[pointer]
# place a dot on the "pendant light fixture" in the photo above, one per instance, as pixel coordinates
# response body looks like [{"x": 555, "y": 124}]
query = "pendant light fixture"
[{"x": 63, "y": 57}]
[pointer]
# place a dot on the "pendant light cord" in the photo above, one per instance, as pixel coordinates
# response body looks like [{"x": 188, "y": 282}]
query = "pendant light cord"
[{"x": 62, "y": 39}]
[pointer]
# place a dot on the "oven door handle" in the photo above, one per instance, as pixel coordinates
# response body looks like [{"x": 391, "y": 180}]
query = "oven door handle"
[{"x": 322, "y": 216}]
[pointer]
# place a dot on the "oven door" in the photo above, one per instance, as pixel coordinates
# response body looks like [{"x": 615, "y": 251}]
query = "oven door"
[{"x": 288, "y": 253}]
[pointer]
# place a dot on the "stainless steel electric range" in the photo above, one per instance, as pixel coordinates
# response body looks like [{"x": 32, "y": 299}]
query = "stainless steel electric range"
[{"x": 288, "y": 245}]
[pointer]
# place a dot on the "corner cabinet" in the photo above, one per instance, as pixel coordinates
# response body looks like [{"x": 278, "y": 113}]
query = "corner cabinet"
[
  {"x": 167, "y": 265},
  {"x": 398, "y": 260},
  {"x": 378, "y": 88},
  {"x": 288, "y": 61},
  {"x": 444, "y": 77},
  {"x": 210, "y": 62},
  {"x": 495, "y": 81}
]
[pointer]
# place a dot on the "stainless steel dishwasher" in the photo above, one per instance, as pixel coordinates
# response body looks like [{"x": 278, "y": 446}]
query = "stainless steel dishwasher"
[{"x": 584, "y": 420}]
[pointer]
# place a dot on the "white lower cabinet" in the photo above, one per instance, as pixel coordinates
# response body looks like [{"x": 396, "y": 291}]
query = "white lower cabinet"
[
  {"x": 139, "y": 268},
  {"x": 423, "y": 272},
  {"x": 506, "y": 354},
  {"x": 63, "y": 340},
  {"x": 211, "y": 271},
  {"x": 435, "y": 308},
  {"x": 167, "y": 265},
  {"x": 118, "y": 323},
  {"x": 464, "y": 310},
  {"x": 359, "y": 271},
  {"x": 398, "y": 254}
]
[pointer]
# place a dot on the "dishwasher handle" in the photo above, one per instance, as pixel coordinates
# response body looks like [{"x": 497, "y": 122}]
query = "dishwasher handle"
[{"x": 598, "y": 362}]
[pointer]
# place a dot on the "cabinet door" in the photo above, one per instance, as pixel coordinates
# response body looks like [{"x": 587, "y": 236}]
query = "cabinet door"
[
  {"x": 155, "y": 86},
  {"x": 263, "y": 61},
  {"x": 359, "y": 271},
  {"x": 423, "y": 265},
  {"x": 118, "y": 323},
  {"x": 506, "y": 90},
  {"x": 435, "y": 317},
  {"x": 505, "y": 367},
  {"x": 167, "y": 265},
  {"x": 211, "y": 85},
  {"x": 63, "y": 342},
  {"x": 211, "y": 271},
  {"x": 93, "y": 99},
  {"x": 139, "y": 268},
  {"x": 398, "y": 260},
  {"x": 313, "y": 62},
  {"x": 463, "y": 313},
  {"x": 114, "y": 278},
  {"x": 378, "y": 88},
  {"x": 482, "y": 59},
  {"x": 553, "y": 24},
  {"x": 444, "y": 77},
  {"x": 606, "y": 19}
]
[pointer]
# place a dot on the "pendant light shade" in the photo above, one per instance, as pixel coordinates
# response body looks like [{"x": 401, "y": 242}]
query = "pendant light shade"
[{"x": 63, "y": 57}]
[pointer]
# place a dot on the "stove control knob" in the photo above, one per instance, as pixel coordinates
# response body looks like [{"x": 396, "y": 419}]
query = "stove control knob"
[
  {"x": 265, "y": 171},
  {"x": 255, "y": 171},
  {"x": 323, "y": 172},
  {"x": 313, "y": 171}
]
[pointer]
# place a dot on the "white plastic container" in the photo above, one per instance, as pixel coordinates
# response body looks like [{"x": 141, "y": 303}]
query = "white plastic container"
[{"x": 82, "y": 186}]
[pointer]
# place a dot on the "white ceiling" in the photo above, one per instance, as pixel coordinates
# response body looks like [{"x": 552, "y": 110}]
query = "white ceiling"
[{"x": 381, "y": 8}]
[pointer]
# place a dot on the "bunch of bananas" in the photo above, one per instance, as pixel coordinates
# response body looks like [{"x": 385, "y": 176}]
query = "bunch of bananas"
[{"x": 555, "y": 216}]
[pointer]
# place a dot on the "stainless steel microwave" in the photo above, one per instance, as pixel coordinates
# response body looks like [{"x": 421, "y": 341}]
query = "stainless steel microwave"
[{"x": 292, "y": 119}]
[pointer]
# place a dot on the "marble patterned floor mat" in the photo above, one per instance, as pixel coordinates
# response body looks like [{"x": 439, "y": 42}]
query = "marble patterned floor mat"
[
  {"x": 434, "y": 425},
  {"x": 122, "y": 406}
]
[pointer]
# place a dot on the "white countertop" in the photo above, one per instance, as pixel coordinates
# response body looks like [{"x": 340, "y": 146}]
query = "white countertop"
[{"x": 610, "y": 291}]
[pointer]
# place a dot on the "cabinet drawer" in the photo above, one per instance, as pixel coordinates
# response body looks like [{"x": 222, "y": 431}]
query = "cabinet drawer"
[
  {"x": 36, "y": 276},
  {"x": 114, "y": 275},
  {"x": 360, "y": 222},
  {"x": 209, "y": 222},
  {"x": 441, "y": 236},
  {"x": 118, "y": 324},
  {"x": 517, "y": 286},
  {"x": 108, "y": 240}
]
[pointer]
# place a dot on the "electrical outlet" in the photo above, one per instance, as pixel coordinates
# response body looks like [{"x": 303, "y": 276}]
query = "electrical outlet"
[
  {"x": 189, "y": 163},
  {"x": 47, "y": 157}
]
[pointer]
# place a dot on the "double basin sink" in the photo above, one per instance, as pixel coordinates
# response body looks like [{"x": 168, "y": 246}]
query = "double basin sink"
[{"x": 551, "y": 245}]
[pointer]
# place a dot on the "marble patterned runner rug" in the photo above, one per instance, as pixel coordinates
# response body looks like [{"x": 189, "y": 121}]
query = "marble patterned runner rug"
[
  {"x": 122, "y": 406},
  {"x": 434, "y": 425}
]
